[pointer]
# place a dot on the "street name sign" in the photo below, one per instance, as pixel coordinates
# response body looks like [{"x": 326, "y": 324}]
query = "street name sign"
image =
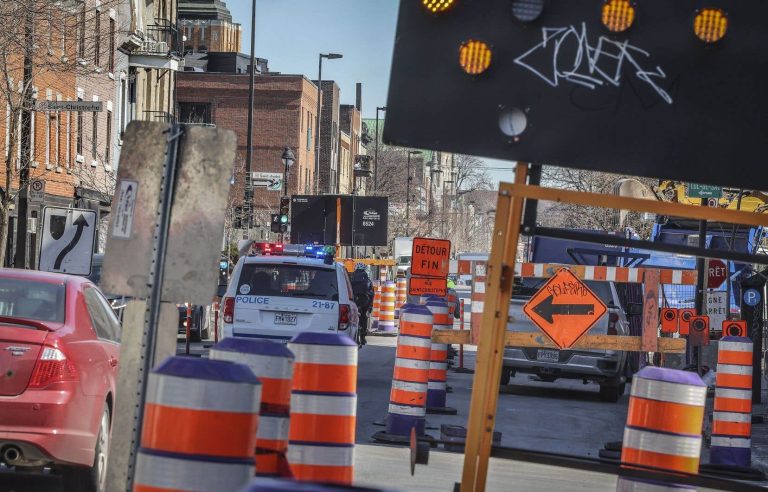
[
  {"x": 67, "y": 240},
  {"x": 37, "y": 191},
  {"x": 84, "y": 106},
  {"x": 418, "y": 286},
  {"x": 430, "y": 257},
  {"x": 564, "y": 308},
  {"x": 662, "y": 89},
  {"x": 704, "y": 191}
]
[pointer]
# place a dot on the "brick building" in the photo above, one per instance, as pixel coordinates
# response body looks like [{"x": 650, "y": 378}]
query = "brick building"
[
  {"x": 351, "y": 125},
  {"x": 329, "y": 137},
  {"x": 284, "y": 116},
  {"x": 70, "y": 151},
  {"x": 207, "y": 26}
]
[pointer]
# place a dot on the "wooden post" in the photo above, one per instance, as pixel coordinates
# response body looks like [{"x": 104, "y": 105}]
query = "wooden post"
[
  {"x": 490, "y": 350},
  {"x": 651, "y": 311}
]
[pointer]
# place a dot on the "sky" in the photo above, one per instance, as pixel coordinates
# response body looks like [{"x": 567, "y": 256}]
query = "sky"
[{"x": 291, "y": 34}]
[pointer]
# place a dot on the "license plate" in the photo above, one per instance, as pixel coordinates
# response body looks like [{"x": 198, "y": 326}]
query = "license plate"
[
  {"x": 548, "y": 355},
  {"x": 285, "y": 319}
]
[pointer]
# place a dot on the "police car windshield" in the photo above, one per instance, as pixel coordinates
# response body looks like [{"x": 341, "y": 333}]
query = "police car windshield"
[{"x": 288, "y": 281}]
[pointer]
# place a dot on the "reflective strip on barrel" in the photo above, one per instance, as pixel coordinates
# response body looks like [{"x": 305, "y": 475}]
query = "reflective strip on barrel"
[
  {"x": 220, "y": 400},
  {"x": 383, "y": 274},
  {"x": 732, "y": 415},
  {"x": 323, "y": 406},
  {"x": 387, "y": 307},
  {"x": 375, "y": 310},
  {"x": 272, "y": 363},
  {"x": 666, "y": 411},
  {"x": 438, "y": 360},
  {"x": 401, "y": 294},
  {"x": 407, "y": 398}
]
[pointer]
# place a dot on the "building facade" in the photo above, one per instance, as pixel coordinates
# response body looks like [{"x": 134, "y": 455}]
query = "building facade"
[
  {"x": 284, "y": 116},
  {"x": 329, "y": 137},
  {"x": 206, "y": 25}
]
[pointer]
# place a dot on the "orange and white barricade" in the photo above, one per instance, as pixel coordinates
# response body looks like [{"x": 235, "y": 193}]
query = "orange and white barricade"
[
  {"x": 438, "y": 359},
  {"x": 401, "y": 294},
  {"x": 478, "y": 298},
  {"x": 408, "y": 396},
  {"x": 220, "y": 401},
  {"x": 323, "y": 407},
  {"x": 732, "y": 416},
  {"x": 663, "y": 430},
  {"x": 387, "y": 308},
  {"x": 272, "y": 363},
  {"x": 376, "y": 307}
]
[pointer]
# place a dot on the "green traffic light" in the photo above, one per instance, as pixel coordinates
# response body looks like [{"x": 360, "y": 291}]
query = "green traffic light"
[{"x": 283, "y": 219}]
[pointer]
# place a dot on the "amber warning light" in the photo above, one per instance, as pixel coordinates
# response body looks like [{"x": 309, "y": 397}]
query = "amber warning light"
[{"x": 474, "y": 57}]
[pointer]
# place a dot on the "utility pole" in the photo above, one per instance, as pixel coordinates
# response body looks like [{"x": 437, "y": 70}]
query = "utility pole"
[
  {"x": 248, "y": 198},
  {"x": 21, "y": 259},
  {"x": 376, "y": 151}
]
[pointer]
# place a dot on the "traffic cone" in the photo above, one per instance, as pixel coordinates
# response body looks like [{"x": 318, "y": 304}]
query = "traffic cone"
[
  {"x": 401, "y": 295},
  {"x": 323, "y": 407},
  {"x": 387, "y": 309},
  {"x": 272, "y": 363},
  {"x": 219, "y": 401}
]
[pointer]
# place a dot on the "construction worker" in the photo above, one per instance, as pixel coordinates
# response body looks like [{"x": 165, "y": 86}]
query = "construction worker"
[{"x": 362, "y": 288}]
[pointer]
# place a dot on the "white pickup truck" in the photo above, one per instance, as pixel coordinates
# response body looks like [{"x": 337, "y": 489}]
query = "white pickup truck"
[{"x": 604, "y": 367}]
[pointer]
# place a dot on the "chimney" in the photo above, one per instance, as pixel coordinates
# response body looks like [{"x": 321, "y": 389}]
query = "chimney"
[{"x": 359, "y": 96}]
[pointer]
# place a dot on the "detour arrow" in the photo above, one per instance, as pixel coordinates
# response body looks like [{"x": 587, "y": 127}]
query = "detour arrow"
[{"x": 547, "y": 309}]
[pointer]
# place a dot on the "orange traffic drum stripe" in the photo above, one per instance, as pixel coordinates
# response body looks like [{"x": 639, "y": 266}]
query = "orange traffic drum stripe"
[
  {"x": 335, "y": 429},
  {"x": 660, "y": 460},
  {"x": 734, "y": 357},
  {"x": 415, "y": 329},
  {"x": 733, "y": 381},
  {"x": 732, "y": 405},
  {"x": 664, "y": 416},
  {"x": 215, "y": 433},
  {"x": 275, "y": 391},
  {"x": 323, "y": 473},
  {"x": 412, "y": 352},
  {"x": 405, "y": 397},
  {"x": 411, "y": 374},
  {"x": 326, "y": 378},
  {"x": 722, "y": 428}
]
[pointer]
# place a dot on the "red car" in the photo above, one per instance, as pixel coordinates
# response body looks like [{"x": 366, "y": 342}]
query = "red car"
[{"x": 59, "y": 349}]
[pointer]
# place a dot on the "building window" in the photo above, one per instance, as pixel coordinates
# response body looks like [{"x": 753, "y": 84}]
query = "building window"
[
  {"x": 309, "y": 132},
  {"x": 97, "y": 44},
  {"x": 68, "y": 155},
  {"x": 194, "y": 113},
  {"x": 108, "y": 147},
  {"x": 95, "y": 135},
  {"x": 79, "y": 139},
  {"x": 81, "y": 35},
  {"x": 111, "y": 45},
  {"x": 57, "y": 146},
  {"x": 47, "y": 140}
]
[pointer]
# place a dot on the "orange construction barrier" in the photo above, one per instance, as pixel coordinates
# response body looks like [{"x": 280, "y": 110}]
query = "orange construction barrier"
[
  {"x": 732, "y": 416},
  {"x": 438, "y": 360},
  {"x": 272, "y": 363},
  {"x": 408, "y": 396},
  {"x": 387, "y": 308},
  {"x": 376, "y": 309},
  {"x": 401, "y": 294},
  {"x": 323, "y": 406},
  {"x": 663, "y": 430},
  {"x": 220, "y": 401}
]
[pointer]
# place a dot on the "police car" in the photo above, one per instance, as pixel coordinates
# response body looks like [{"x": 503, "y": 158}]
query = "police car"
[{"x": 275, "y": 296}]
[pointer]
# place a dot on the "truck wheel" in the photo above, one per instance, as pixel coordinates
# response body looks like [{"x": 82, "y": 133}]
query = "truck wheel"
[{"x": 506, "y": 374}]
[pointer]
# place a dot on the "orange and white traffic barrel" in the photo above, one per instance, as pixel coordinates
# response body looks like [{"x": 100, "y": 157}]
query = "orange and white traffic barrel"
[
  {"x": 376, "y": 309},
  {"x": 408, "y": 395},
  {"x": 285, "y": 485},
  {"x": 401, "y": 295},
  {"x": 383, "y": 273},
  {"x": 438, "y": 360},
  {"x": 220, "y": 400},
  {"x": 323, "y": 407},
  {"x": 663, "y": 430},
  {"x": 732, "y": 416},
  {"x": 272, "y": 363},
  {"x": 387, "y": 308}
]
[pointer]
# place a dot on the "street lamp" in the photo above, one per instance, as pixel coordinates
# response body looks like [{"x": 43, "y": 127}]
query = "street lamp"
[
  {"x": 408, "y": 191},
  {"x": 330, "y": 56},
  {"x": 376, "y": 151},
  {"x": 288, "y": 160}
]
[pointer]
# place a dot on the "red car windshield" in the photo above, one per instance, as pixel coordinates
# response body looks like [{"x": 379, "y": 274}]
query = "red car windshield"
[{"x": 28, "y": 299}]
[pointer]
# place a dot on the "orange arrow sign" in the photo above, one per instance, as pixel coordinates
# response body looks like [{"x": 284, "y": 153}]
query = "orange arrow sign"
[{"x": 564, "y": 309}]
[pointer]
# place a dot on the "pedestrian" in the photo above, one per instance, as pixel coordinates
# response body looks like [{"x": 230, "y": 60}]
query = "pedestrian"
[{"x": 362, "y": 289}]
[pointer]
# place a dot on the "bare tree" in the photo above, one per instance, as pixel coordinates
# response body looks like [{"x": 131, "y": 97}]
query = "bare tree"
[{"x": 40, "y": 41}]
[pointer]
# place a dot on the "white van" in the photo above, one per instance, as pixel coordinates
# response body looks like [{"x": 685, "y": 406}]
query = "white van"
[{"x": 277, "y": 297}]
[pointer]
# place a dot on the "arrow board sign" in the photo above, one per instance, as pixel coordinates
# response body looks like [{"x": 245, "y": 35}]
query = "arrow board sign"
[
  {"x": 67, "y": 240},
  {"x": 564, "y": 309}
]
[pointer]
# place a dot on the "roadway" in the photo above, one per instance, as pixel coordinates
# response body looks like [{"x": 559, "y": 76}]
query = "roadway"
[{"x": 565, "y": 417}]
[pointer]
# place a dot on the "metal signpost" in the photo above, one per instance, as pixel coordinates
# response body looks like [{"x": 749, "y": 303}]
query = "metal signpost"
[{"x": 67, "y": 240}]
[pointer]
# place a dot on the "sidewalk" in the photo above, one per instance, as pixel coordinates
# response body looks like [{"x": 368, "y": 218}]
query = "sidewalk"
[{"x": 760, "y": 435}]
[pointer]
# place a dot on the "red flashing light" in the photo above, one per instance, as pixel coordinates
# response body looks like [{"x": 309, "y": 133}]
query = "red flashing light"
[{"x": 267, "y": 249}]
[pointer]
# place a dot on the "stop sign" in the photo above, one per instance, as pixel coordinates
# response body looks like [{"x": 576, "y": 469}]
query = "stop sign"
[{"x": 717, "y": 271}]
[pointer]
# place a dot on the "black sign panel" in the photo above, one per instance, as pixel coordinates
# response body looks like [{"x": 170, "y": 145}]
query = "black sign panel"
[
  {"x": 364, "y": 220},
  {"x": 371, "y": 220},
  {"x": 563, "y": 89}
]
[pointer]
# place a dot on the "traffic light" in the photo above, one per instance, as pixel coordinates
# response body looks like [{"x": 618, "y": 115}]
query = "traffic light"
[
  {"x": 237, "y": 219},
  {"x": 223, "y": 271},
  {"x": 285, "y": 206},
  {"x": 274, "y": 223}
]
